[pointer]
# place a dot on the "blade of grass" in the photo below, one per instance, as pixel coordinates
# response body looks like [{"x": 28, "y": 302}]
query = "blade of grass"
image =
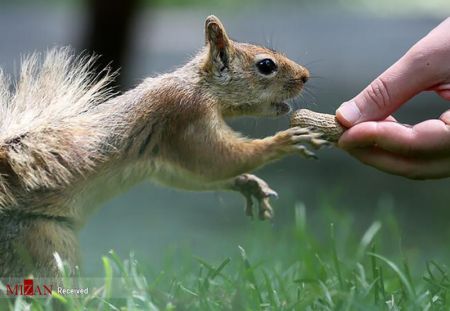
[
  {"x": 336, "y": 263},
  {"x": 375, "y": 277},
  {"x": 367, "y": 239},
  {"x": 381, "y": 282},
  {"x": 327, "y": 294},
  {"x": 249, "y": 274},
  {"x": 108, "y": 277},
  {"x": 397, "y": 271},
  {"x": 274, "y": 303},
  {"x": 408, "y": 274}
]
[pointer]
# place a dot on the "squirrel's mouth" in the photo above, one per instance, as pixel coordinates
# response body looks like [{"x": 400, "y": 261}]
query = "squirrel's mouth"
[{"x": 281, "y": 108}]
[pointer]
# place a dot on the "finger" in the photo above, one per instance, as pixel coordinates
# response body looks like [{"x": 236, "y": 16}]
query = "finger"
[
  {"x": 399, "y": 165},
  {"x": 430, "y": 138},
  {"x": 443, "y": 90},
  {"x": 419, "y": 69},
  {"x": 385, "y": 94}
]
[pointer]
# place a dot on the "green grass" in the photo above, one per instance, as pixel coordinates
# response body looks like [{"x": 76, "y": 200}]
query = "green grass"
[{"x": 298, "y": 267}]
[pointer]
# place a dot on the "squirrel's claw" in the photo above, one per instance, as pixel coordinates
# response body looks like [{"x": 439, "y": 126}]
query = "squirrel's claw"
[
  {"x": 306, "y": 153},
  {"x": 313, "y": 138},
  {"x": 271, "y": 193},
  {"x": 251, "y": 187},
  {"x": 318, "y": 143},
  {"x": 265, "y": 210},
  {"x": 295, "y": 140}
]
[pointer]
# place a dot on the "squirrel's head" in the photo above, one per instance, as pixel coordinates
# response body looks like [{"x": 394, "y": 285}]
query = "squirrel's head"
[{"x": 248, "y": 79}]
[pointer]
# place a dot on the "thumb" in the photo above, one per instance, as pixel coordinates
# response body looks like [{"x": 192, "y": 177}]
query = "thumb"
[{"x": 404, "y": 79}]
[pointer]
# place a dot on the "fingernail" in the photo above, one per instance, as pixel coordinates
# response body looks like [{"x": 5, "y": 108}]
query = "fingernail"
[{"x": 350, "y": 112}]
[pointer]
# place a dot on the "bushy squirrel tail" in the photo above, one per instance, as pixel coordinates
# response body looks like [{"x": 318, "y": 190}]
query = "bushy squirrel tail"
[{"x": 53, "y": 122}]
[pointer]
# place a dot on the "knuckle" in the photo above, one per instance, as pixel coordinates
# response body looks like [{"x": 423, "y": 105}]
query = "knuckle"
[
  {"x": 417, "y": 55},
  {"x": 422, "y": 60},
  {"x": 377, "y": 94}
]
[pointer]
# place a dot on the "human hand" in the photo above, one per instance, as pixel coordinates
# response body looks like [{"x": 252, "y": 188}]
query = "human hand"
[{"x": 421, "y": 151}]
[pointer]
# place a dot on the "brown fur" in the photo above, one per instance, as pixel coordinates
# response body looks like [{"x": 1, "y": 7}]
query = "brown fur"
[{"x": 170, "y": 129}]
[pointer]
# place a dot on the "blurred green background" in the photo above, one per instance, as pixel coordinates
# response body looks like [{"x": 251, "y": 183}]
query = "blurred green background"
[{"x": 345, "y": 44}]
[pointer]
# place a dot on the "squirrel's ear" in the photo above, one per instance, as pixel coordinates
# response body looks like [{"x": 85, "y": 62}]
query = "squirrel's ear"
[{"x": 216, "y": 37}]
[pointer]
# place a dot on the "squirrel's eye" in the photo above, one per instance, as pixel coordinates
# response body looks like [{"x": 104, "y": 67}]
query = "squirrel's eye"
[{"x": 266, "y": 66}]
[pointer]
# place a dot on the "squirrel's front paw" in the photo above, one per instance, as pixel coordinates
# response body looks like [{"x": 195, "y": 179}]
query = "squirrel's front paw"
[
  {"x": 254, "y": 187},
  {"x": 292, "y": 141}
]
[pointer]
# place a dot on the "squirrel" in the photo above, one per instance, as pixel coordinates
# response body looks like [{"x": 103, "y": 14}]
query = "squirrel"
[{"x": 67, "y": 143}]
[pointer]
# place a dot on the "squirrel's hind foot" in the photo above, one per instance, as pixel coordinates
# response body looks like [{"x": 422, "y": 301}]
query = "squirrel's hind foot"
[{"x": 253, "y": 187}]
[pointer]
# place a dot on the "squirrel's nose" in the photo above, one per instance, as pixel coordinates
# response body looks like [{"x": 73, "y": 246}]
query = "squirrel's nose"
[{"x": 305, "y": 75}]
